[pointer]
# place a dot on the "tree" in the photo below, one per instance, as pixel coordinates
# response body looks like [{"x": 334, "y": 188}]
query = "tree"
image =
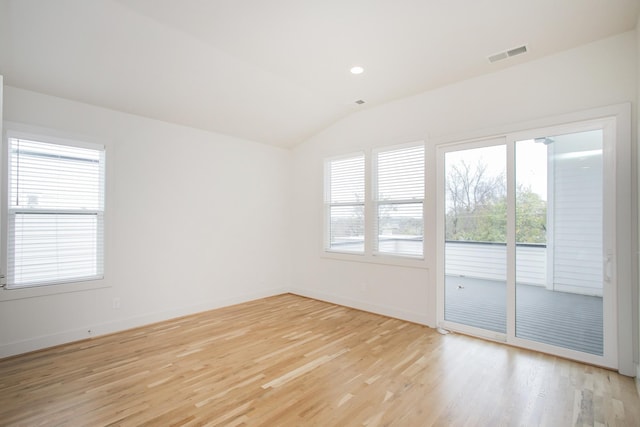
[
  {"x": 477, "y": 207},
  {"x": 531, "y": 216},
  {"x": 472, "y": 193}
]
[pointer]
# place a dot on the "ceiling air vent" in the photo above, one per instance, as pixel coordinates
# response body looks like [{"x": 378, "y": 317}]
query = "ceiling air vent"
[{"x": 508, "y": 53}]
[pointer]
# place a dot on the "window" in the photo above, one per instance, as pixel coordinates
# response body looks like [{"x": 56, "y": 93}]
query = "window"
[
  {"x": 55, "y": 215},
  {"x": 398, "y": 199},
  {"x": 344, "y": 203},
  {"x": 387, "y": 225}
]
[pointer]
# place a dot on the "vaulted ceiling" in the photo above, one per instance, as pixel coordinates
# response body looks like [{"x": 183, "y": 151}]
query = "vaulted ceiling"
[{"x": 277, "y": 71}]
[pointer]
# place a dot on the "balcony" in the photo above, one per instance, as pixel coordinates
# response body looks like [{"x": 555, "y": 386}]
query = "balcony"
[{"x": 562, "y": 314}]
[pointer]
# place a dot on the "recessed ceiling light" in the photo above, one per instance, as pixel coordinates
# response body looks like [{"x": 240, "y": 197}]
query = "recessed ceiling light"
[{"x": 357, "y": 70}]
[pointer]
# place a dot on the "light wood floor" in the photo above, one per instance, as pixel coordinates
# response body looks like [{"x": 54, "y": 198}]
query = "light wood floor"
[{"x": 292, "y": 361}]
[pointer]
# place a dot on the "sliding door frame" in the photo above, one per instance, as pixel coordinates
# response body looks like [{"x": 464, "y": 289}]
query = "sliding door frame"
[
  {"x": 620, "y": 233},
  {"x": 441, "y": 231}
]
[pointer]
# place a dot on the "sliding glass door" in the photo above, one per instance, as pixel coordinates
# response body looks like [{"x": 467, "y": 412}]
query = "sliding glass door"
[
  {"x": 527, "y": 240},
  {"x": 475, "y": 237},
  {"x": 559, "y": 240}
]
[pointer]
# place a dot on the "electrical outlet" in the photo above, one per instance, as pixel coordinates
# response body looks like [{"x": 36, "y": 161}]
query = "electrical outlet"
[{"x": 115, "y": 303}]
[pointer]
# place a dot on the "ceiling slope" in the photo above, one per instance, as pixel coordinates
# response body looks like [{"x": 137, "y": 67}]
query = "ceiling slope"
[{"x": 277, "y": 71}]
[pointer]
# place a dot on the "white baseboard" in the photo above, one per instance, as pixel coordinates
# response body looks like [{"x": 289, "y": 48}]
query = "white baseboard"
[
  {"x": 90, "y": 331},
  {"x": 95, "y": 330},
  {"x": 364, "y": 306}
]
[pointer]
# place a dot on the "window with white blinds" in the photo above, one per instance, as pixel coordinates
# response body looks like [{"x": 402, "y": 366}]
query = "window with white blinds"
[
  {"x": 55, "y": 215},
  {"x": 398, "y": 199},
  {"x": 344, "y": 202}
]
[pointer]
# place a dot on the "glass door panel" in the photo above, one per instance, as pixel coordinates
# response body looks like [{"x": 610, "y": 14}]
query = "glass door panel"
[
  {"x": 475, "y": 238},
  {"x": 559, "y": 241}
]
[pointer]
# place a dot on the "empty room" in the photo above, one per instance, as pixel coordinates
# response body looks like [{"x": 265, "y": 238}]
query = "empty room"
[{"x": 319, "y": 213}]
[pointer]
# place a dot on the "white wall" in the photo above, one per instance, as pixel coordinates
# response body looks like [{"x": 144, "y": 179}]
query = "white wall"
[
  {"x": 594, "y": 75},
  {"x": 195, "y": 220}
]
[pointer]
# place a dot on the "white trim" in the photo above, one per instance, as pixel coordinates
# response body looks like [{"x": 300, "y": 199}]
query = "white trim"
[
  {"x": 616, "y": 110},
  {"x": 499, "y": 337},
  {"x": 385, "y": 259},
  {"x": 53, "y": 136},
  {"x": 511, "y": 237},
  {"x": 90, "y": 331},
  {"x": 59, "y": 288},
  {"x": 400, "y": 146}
]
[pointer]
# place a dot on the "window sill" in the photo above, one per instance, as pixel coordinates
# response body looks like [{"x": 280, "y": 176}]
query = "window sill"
[
  {"x": 41, "y": 291},
  {"x": 394, "y": 260}
]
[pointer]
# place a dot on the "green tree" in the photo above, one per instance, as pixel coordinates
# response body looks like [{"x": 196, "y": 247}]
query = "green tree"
[
  {"x": 472, "y": 193},
  {"x": 491, "y": 223},
  {"x": 531, "y": 217},
  {"x": 477, "y": 207}
]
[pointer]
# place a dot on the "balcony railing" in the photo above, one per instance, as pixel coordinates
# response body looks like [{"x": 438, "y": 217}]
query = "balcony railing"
[{"x": 487, "y": 260}]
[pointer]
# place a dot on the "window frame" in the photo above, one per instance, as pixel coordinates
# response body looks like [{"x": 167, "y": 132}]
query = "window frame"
[
  {"x": 370, "y": 255},
  {"x": 377, "y": 202},
  {"x": 21, "y": 131},
  {"x": 328, "y": 204}
]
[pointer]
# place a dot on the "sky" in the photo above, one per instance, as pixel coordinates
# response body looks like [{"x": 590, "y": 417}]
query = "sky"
[{"x": 531, "y": 162}]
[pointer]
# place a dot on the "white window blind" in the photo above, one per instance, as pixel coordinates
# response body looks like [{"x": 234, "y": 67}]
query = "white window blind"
[
  {"x": 398, "y": 199},
  {"x": 55, "y": 213},
  {"x": 344, "y": 202}
]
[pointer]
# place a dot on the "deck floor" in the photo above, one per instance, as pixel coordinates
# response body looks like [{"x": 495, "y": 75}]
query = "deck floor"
[{"x": 558, "y": 318}]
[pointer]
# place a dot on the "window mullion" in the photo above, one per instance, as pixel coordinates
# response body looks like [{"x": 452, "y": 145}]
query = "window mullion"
[{"x": 370, "y": 219}]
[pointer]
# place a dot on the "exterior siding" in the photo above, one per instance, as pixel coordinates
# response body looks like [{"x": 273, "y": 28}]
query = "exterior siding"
[{"x": 577, "y": 214}]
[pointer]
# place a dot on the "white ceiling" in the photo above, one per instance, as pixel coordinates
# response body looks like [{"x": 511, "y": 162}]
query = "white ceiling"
[{"x": 277, "y": 71}]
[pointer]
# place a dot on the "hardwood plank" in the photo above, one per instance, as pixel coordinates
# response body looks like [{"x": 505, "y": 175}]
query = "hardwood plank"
[{"x": 289, "y": 360}]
